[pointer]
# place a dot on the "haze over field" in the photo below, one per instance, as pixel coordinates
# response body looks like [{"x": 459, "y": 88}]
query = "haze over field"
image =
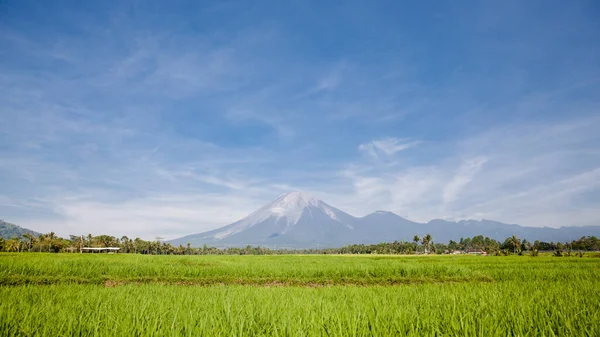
[{"x": 165, "y": 119}]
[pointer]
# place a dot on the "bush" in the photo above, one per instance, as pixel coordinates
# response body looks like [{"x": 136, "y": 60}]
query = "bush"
[{"x": 558, "y": 253}]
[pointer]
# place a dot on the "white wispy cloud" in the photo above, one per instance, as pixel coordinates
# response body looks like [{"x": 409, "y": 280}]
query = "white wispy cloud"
[
  {"x": 462, "y": 178},
  {"x": 387, "y": 146},
  {"x": 330, "y": 80}
]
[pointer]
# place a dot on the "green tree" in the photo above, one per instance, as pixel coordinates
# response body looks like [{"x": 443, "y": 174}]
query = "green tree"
[
  {"x": 76, "y": 242},
  {"x": 90, "y": 240},
  {"x": 125, "y": 244},
  {"x": 106, "y": 240},
  {"x": 426, "y": 241},
  {"x": 516, "y": 243},
  {"x": 416, "y": 240},
  {"x": 51, "y": 237},
  {"x": 139, "y": 245},
  {"x": 41, "y": 238},
  {"x": 478, "y": 242},
  {"x": 13, "y": 245},
  {"x": 29, "y": 238},
  {"x": 526, "y": 245}
]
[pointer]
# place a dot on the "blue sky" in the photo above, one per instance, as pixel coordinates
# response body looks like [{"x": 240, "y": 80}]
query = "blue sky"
[{"x": 168, "y": 118}]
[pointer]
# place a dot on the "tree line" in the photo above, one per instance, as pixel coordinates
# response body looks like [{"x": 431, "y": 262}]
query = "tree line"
[{"x": 52, "y": 243}]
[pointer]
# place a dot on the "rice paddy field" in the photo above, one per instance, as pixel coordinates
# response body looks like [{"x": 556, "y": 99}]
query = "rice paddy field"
[{"x": 141, "y": 295}]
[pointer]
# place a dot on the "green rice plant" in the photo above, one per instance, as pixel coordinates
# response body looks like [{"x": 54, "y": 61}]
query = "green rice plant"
[{"x": 134, "y": 295}]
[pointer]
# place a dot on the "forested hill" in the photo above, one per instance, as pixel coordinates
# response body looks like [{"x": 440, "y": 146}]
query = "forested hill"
[{"x": 8, "y": 230}]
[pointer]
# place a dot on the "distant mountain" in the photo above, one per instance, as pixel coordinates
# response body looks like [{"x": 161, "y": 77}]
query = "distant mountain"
[
  {"x": 297, "y": 220},
  {"x": 8, "y": 230},
  {"x": 292, "y": 220},
  {"x": 383, "y": 226},
  {"x": 444, "y": 231}
]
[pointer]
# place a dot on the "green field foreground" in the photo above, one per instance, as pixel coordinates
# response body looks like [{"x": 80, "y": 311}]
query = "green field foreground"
[{"x": 140, "y": 295}]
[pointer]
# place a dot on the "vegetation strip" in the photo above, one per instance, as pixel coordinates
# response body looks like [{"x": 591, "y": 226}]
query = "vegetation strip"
[{"x": 20, "y": 240}]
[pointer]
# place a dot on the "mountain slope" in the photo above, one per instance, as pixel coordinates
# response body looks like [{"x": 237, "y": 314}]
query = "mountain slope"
[
  {"x": 297, "y": 220},
  {"x": 8, "y": 230},
  {"x": 443, "y": 231},
  {"x": 382, "y": 226}
]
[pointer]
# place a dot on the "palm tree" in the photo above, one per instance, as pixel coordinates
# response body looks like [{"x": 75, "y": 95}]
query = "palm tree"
[
  {"x": 516, "y": 243},
  {"x": 416, "y": 239},
  {"x": 90, "y": 239},
  {"x": 41, "y": 238},
  {"x": 426, "y": 241},
  {"x": 50, "y": 238},
  {"x": 29, "y": 238},
  {"x": 138, "y": 244},
  {"x": 13, "y": 244},
  {"x": 34, "y": 241},
  {"x": 125, "y": 243}
]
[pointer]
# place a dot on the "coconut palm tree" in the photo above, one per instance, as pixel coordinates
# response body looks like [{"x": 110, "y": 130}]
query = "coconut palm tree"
[
  {"x": 35, "y": 241},
  {"x": 12, "y": 245},
  {"x": 516, "y": 243},
  {"x": 125, "y": 243},
  {"x": 51, "y": 236},
  {"x": 416, "y": 239},
  {"x": 29, "y": 238},
  {"x": 426, "y": 240},
  {"x": 41, "y": 238},
  {"x": 138, "y": 244}
]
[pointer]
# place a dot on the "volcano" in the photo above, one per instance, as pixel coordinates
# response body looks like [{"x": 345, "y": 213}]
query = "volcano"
[{"x": 298, "y": 220}]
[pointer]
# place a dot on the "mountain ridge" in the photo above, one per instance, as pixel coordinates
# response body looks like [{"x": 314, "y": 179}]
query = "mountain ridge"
[
  {"x": 298, "y": 220},
  {"x": 9, "y": 230}
]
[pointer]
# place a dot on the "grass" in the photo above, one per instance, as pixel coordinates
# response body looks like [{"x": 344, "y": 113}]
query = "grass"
[{"x": 135, "y": 295}]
